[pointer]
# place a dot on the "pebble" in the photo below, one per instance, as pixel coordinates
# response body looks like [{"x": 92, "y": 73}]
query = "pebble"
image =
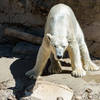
[
  {"x": 88, "y": 90},
  {"x": 60, "y": 98},
  {"x": 78, "y": 98}
]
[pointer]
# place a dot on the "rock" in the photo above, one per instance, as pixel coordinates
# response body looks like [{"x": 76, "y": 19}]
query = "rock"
[
  {"x": 33, "y": 13},
  {"x": 90, "y": 97},
  {"x": 6, "y": 50},
  {"x": 79, "y": 85},
  {"x": 18, "y": 12},
  {"x": 60, "y": 98},
  {"x": 5, "y": 93},
  {"x": 2, "y": 38},
  {"x": 93, "y": 38},
  {"x": 1, "y": 30},
  {"x": 25, "y": 48},
  {"x": 45, "y": 90},
  {"x": 37, "y": 31},
  {"x": 95, "y": 49},
  {"x": 29, "y": 98},
  {"x": 78, "y": 98},
  {"x": 92, "y": 32},
  {"x": 88, "y": 90},
  {"x": 23, "y": 36}
]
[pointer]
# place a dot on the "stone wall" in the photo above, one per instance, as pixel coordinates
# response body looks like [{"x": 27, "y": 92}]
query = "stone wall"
[{"x": 32, "y": 13}]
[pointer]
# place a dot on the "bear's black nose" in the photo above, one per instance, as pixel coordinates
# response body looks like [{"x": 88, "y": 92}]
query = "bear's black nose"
[{"x": 59, "y": 57}]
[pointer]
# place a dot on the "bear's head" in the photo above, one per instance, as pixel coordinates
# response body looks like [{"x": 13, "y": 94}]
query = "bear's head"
[{"x": 58, "y": 44}]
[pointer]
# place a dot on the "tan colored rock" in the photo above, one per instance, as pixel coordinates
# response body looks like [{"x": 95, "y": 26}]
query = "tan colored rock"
[
  {"x": 78, "y": 98},
  {"x": 45, "y": 90}
]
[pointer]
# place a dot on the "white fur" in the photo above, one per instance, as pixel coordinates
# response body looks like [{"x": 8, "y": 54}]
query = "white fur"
[{"x": 62, "y": 31}]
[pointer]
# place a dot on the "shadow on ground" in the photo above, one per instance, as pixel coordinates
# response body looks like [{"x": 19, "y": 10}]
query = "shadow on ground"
[{"x": 18, "y": 69}]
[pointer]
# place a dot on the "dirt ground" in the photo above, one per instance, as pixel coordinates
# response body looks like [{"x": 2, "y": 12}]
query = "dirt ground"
[{"x": 12, "y": 72}]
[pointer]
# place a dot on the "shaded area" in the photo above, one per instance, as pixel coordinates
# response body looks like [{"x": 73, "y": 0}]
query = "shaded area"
[
  {"x": 18, "y": 70},
  {"x": 6, "y": 50},
  {"x": 26, "y": 54},
  {"x": 20, "y": 50}
]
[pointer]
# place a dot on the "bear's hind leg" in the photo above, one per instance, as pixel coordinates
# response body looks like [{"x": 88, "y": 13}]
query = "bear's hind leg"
[
  {"x": 55, "y": 66},
  {"x": 87, "y": 62},
  {"x": 74, "y": 53}
]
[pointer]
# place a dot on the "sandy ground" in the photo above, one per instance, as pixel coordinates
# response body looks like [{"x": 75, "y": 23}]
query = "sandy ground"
[
  {"x": 86, "y": 88},
  {"x": 5, "y": 64}
]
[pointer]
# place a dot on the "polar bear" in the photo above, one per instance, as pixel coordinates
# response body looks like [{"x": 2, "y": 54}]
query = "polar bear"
[{"x": 63, "y": 32}]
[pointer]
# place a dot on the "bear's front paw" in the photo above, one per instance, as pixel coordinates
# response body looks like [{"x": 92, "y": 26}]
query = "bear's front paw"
[
  {"x": 90, "y": 66},
  {"x": 31, "y": 74},
  {"x": 79, "y": 72}
]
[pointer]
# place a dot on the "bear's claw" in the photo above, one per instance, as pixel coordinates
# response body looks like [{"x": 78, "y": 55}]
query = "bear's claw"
[{"x": 90, "y": 66}]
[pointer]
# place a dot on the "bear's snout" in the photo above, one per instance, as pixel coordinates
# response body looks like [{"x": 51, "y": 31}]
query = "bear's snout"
[{"x": 59, "y": 53}]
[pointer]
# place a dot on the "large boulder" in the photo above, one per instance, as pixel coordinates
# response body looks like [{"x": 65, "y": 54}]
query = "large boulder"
[
  {"x": 92, "y": 34},
  {"x": 45, "y": 90},
  {"x": 34, "y": 12},
  {"x": 27, "y": 49}
]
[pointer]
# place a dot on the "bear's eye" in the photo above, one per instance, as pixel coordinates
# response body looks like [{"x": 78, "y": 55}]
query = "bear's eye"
[{"x": 64, "y": 46}]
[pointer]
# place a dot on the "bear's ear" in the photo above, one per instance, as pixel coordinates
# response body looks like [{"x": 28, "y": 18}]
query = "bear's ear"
[{"x": 49, "y": 36}]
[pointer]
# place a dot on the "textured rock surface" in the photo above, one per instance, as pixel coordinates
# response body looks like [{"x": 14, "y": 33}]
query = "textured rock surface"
[
  {"x": 25, "y": 48},
  {"x": 45, "y": 90},
  {"x": 33, "y": 13},
  {"x": 84, "y": 88},
  {"x": 92, "y": 34}
]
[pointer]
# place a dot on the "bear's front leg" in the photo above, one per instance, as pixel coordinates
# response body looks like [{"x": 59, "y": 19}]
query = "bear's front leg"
[
  {"x": 87, "y": 62},
  {"x": 74, "y": 53},
  {"x": 55, "y": 66},
  {"x": 42, "y": 58}
]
